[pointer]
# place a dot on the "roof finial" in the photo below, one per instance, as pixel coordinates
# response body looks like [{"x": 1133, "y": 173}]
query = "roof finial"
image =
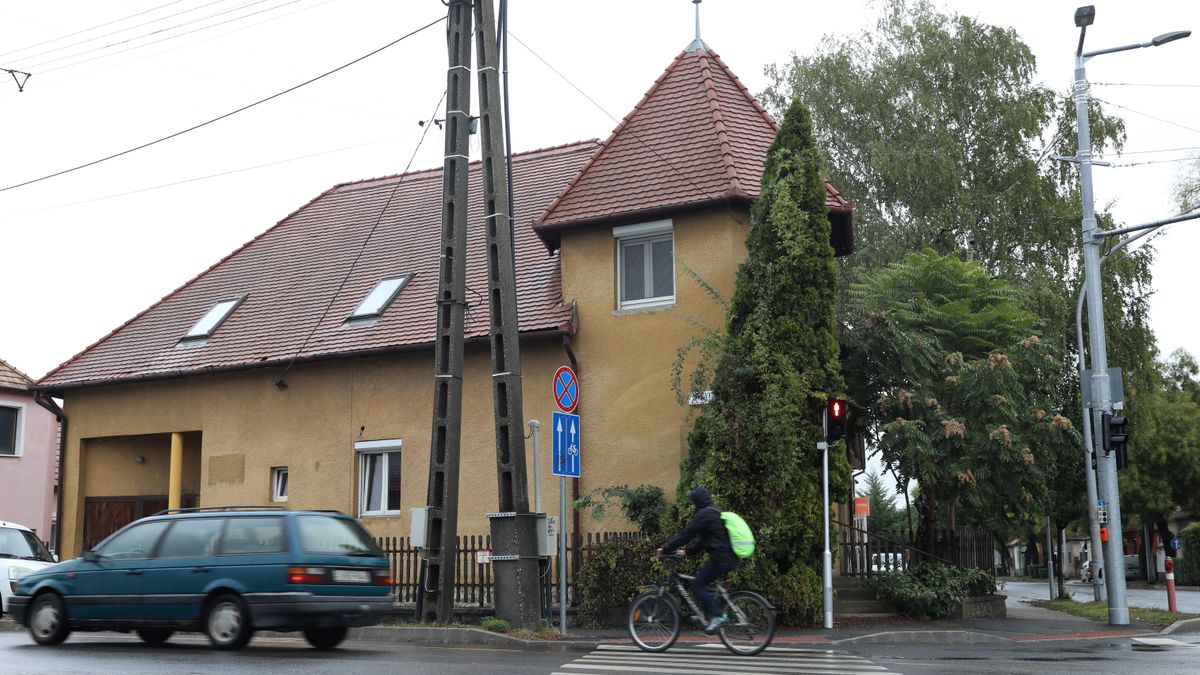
[{"x": 697, "y": 43}]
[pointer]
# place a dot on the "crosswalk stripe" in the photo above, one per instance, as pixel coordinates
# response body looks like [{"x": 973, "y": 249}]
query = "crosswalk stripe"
[
  {"x": 751, "y": 663},
  {"x": 717, "y": 659},
  {"x": 773, "y": 661},
  {"x": 625, "y": 668}
]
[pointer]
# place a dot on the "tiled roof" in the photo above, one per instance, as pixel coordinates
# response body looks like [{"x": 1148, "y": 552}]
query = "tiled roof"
[
  {"x": 290, "y": 276},
  {"x": 11, "y": 378},
  {"x": 697, "y": 137}
]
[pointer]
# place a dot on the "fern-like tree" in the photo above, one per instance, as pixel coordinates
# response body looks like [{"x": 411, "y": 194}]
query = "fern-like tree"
[
  {"x": 754, "y": 445},
  {"x": 963, "y": 396}
]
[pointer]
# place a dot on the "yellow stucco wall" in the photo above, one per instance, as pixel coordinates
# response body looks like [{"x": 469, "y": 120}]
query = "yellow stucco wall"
[{"x": 240, "y": 425}]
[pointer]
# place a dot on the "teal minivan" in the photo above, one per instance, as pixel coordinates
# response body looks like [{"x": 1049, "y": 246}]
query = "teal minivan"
[{"x": 225, "y": 571}]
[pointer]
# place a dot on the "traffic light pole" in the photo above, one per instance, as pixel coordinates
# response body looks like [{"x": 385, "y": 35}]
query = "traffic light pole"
[{"x": 826, "y": 558}]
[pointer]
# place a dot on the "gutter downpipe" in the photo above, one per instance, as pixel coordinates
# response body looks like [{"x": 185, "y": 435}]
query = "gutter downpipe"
[{"x": 48, "y": 403}]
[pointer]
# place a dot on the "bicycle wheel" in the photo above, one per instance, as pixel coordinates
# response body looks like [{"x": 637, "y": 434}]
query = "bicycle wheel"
[
  {"x": 654, "y": 621},
  {"x": 751, "y": 625}
]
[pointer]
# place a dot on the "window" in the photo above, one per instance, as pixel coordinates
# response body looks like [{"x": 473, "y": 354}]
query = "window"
[
  {"x": 10, "y": 430},
  {"x": 191, "y": 538},
  {"x": 645, "y": 264},
  {"x": 380, "y": 297},
  {"x": 212, "y": 320},
  {"x": 254, "y": 535},
  {"x": 279, "y": 484},
  {"x": 379, "y": 477},
  {"x": 333, "y": 535},
  {"x": 135, "y": 542}
]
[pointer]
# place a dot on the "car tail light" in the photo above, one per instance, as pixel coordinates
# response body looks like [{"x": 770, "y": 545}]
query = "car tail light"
[
  {"x": 306, "y": 575},
  {"x": 383, "y": 578}
]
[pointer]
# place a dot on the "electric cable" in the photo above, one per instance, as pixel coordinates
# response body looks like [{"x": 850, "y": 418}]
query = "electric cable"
[
  {"x": 228, "y": 114},
  {"x": 85, "y": 30},
  {"x": 280, "y": 383},
  {"x": 1145, "y": 114}
]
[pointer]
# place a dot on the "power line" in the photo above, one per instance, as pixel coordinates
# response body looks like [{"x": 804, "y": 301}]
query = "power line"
[
  {"x": 378, "y": 219},
  {"x": 85, "y": 30},
  {"x": 228, "y": 114},
  {"x": 1142, "y": 84},
  {"x": 1145, "y": 114},
  {"x": 1154, "y": 152},
  {"x": 1154, "y": 161}
]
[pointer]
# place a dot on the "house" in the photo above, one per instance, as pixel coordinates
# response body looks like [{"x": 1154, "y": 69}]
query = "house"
[
  {"x": 28, "y": 455},
  {"x": 298, "y": 369}
]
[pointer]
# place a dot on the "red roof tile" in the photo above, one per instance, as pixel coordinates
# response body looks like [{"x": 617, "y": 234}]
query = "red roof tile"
[
  {"x": 290, "y": 276},
  {"x": 697, "y": 137}
]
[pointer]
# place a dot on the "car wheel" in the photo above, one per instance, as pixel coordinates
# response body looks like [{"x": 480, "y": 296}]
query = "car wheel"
[
  {"x": 325, "y": 638},
  {"x": 48, "y": 620},
  {"x": 227, "y": 622},
  {"x": 155, "y": 636}
]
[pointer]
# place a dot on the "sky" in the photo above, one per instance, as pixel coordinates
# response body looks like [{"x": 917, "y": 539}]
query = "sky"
[{"x": 85, "y": 251}]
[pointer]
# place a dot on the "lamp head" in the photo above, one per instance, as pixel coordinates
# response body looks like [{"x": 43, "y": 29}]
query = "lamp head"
[
  {"x": 1084, "y": 16},
  {"x": 1170, "y": 37}
]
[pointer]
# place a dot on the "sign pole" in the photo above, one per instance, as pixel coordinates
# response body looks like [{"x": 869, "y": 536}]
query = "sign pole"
[
  {"x": 826, "y": 559},
  {"x": 562, "y": 555}
]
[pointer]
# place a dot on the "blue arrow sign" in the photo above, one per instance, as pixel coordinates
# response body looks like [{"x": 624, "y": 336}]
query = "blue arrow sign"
[{"x": 567, "y": 440}]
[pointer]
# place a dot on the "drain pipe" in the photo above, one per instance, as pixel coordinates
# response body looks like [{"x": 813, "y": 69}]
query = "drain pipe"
[{"x": 48, "y": 403}]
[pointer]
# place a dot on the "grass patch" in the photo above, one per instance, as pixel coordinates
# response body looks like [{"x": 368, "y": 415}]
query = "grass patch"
[{"x": 1098, "y": 610}]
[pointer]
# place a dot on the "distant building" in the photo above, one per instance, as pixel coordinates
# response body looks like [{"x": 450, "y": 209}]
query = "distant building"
[
  {"x": 299, "y": 368},
  {"x": 28, "y": 456}
]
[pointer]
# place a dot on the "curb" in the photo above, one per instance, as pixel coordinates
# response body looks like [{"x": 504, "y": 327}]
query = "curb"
[
  {"x": 9, "y": 625},
  {"x": 941, "y": 637},
  {"x": 1183, "y": 626},
  {"x": 466, "y": 636}
]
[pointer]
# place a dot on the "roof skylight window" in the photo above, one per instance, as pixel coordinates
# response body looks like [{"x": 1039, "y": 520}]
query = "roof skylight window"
[
  {"x": 212, "y": 320},
  {"x": 380, "y": 297}
]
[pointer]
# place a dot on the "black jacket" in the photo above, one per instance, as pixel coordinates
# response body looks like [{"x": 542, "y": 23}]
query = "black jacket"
[{"x": 710, "y": 534}]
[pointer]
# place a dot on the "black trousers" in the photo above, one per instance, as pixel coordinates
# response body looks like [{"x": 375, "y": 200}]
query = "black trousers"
[{"x": 712, "y": 570}]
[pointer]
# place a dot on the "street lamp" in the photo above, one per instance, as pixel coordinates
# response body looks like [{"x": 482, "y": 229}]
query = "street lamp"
[{"x": 1106, "y": 474}]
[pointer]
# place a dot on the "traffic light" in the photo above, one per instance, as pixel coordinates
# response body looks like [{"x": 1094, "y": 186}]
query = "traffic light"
[
  {"x": 835, "y": 419},
  {"x": 1116, "y": 433}
]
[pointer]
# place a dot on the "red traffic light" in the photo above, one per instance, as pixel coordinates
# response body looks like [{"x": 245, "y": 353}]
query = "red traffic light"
[
  {"x": 835, "y": 419},
  {"x": 837, "y": 409}
]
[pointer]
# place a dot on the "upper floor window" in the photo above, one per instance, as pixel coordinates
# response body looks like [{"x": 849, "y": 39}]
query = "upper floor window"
[
  {"x": 212, "y": 319},
  {"x": 10, "y": 430},
  {"x": 645, "y": 264},
  {"x": 380, "y": 297}
]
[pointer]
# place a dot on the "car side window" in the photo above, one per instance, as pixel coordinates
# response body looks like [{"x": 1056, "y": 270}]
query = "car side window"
[
  {"x": 134, "y": 543},
  {"x": 254, "y": 535},
  {"x": 191, "y": 537}
]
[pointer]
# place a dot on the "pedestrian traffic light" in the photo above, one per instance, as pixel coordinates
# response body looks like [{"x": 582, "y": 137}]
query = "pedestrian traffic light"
[
  {"x": 835, "y": 419},
  {"x": 1116, "y": 432}
]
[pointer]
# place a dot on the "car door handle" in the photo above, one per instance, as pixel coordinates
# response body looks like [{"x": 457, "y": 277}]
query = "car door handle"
[
  {"x": 200, "y": 570},
  {"x": 133, "y": 573}
]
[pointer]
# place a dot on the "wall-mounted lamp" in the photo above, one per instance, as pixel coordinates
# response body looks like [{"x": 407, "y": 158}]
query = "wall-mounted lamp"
[{"x": 139, "y": 459}]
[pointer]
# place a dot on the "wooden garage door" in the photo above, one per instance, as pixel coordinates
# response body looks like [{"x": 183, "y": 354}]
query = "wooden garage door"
[{"x": 104, "y": 515}]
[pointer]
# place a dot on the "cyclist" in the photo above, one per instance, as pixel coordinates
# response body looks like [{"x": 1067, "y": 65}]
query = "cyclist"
[{"x": 711, "y": 535}]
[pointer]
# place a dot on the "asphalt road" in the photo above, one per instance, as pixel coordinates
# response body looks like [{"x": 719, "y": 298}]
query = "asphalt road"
[{"x": 1155, "y": 598}]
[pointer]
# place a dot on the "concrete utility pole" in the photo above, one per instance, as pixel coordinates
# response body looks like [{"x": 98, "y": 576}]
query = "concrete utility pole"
[
  {"x": 514, "y": 529},
  {"x": 444, "y": 450},
  {"x": 1106, "y": 470}
]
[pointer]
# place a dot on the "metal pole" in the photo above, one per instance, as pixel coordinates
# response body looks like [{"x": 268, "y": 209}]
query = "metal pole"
[
  {"x": 562, "y": 554},
  {"x": 1096, "y": 556},
  {"x": 535, "y": 428},
  {"x": 1050, "y": 557},
  {"x": 1106, "y": 470},
  {"x": 826, "y": 559}
]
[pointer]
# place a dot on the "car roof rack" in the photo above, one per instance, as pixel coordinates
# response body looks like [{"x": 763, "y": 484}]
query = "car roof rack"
[{"x": 203, "y": 509}]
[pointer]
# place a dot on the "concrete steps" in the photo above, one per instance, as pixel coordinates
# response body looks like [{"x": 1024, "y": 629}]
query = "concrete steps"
[{"x": 852, "y": 598}]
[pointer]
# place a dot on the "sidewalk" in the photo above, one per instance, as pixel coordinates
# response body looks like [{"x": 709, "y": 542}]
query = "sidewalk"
[{"x": 1024, "y": 623}]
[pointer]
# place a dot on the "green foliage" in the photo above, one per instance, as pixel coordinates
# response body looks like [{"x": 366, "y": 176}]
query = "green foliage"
[
  {"x": 645, "y": 505},
  {"x": 754, "y": 445},
  {"x": 932, "y": 590},
  {"x": 611, "y": 576},
  {"x": 1188, "y": 565},
  {"x": 886, "y": 519},
  {"x": 495, "y": 625}
]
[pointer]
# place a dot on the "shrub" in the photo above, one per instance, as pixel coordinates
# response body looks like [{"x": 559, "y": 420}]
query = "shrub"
[
  {"x": 611, "y": 576},
  {"x": 1188, "y": 565},
  {"x": 932, "y": 590},
  {"x": 495, "y": 625}
]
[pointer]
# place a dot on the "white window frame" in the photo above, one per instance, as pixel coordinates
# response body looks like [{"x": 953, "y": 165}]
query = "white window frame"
[
  {"x": 216, "y": 315},
  {"x": 380, "y": 447},
  {"x": 19, "y": 428},
  {"x": 647, "y": 234},
  {"x": 278, "y": 472},
  {"x": 362, "y": 311}
]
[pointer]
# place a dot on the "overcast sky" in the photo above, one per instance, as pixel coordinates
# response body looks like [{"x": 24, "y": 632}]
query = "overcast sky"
[{"x": 83, "y": 252}]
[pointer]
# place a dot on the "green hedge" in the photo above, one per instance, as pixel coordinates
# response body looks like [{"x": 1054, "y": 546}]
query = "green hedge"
[
  {"x": 611, "y": 576},
  {"x": 932, "y": 590},
  {"x": 1187, "y": 568}
]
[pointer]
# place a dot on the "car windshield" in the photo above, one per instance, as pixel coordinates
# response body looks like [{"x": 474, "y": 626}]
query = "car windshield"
[
  {"x": 330, "y": 534},
  {"x": 22, "y": 544}
]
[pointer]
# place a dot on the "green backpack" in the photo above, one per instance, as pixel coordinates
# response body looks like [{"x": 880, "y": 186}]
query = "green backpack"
[{"x": 740, "y": 535}]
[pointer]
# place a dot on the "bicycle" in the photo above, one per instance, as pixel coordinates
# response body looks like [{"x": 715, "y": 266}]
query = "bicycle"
[{"x": 655, "y": 619}]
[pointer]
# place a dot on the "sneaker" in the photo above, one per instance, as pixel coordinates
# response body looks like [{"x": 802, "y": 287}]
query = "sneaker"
[{"x": 716, "y": 624}]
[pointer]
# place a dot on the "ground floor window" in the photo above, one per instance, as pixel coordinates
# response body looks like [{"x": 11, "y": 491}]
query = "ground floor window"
[
  {"x": 279, "y": 484},
  {"x": 378, "y": 477}
]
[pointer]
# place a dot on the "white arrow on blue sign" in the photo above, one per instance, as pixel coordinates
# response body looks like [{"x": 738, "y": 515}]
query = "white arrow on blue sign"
[{"x": 567, "y": 439}]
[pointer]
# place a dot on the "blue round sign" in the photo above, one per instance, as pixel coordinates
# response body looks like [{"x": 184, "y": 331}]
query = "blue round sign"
[
  {"x": 566, "y": 389},
  {"x": 1175, "y": 543}
]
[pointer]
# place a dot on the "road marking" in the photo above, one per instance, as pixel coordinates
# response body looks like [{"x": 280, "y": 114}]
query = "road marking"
[
  {"x": 1163, "y": 642},
  {"x": 699, "y": 661}
]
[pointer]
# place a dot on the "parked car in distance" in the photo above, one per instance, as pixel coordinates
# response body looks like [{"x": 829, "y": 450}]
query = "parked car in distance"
[
  {"x": 1133, "y": 567},
  {"x": 21, "y": 552},
  {"x": 887, "y": 562},
  {"x": 224, "y": 571}
]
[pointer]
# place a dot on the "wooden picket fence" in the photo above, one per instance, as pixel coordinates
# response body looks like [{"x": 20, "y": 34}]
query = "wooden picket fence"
[{"x": 474, "y": 583}]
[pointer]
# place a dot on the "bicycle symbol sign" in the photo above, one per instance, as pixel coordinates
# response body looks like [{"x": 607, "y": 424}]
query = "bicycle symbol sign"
[{"x": 566, "y": 389}]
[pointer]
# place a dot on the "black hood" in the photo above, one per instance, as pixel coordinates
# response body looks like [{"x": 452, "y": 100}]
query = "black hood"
[{"x": 700, "y": 497}]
